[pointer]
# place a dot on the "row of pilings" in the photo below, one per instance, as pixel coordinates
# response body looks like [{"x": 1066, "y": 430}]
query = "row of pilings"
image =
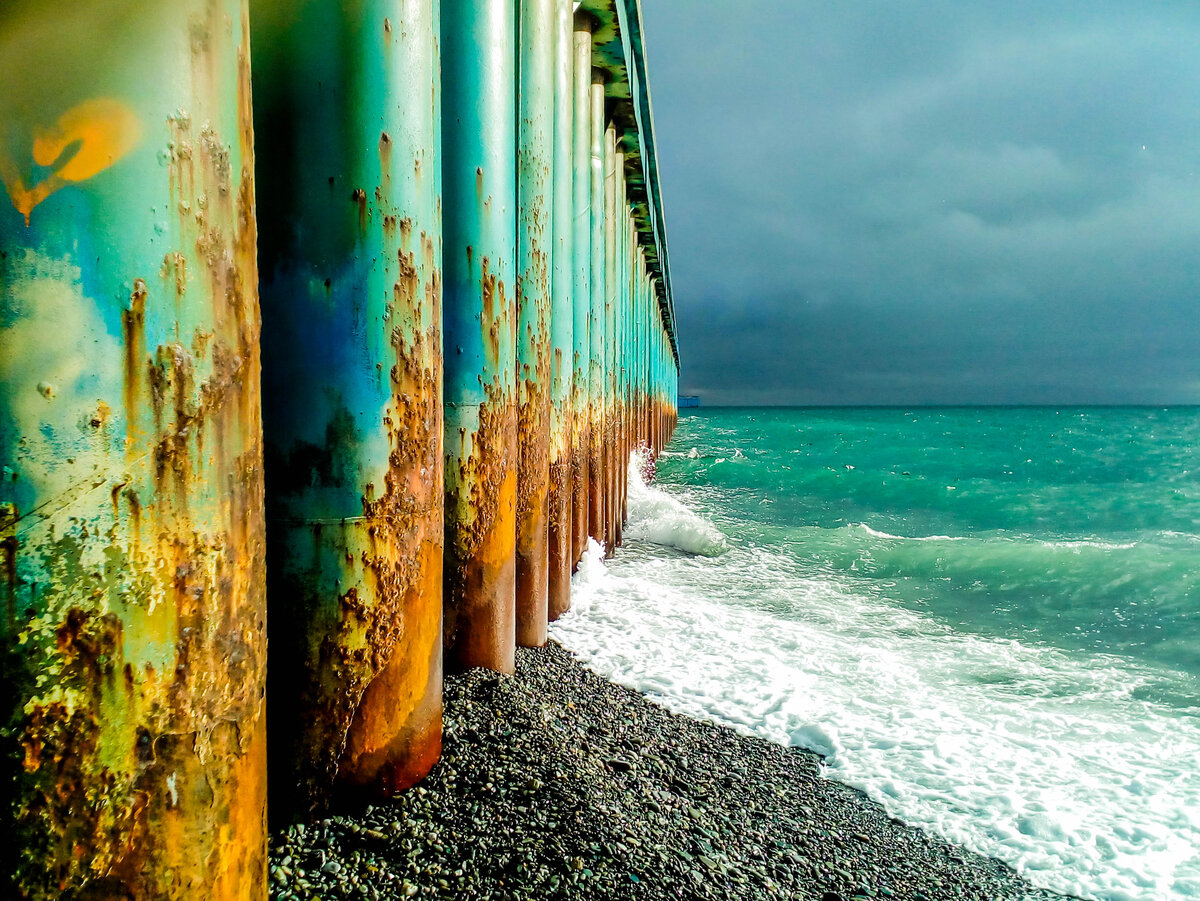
[{"x": 327, "y": 330}]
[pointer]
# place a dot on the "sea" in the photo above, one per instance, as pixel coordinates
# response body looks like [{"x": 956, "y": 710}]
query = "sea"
[{"x": 986, "y": 619}]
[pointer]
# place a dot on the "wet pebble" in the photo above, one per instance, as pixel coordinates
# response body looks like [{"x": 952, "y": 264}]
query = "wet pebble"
[{"x": 557, "y": 784}]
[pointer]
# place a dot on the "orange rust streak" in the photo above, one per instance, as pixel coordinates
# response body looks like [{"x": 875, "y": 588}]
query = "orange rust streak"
[
  {"x": 133, "y": 324},
  {"x": 395, "y": 738},
  {"x": 558, "y": 600},
  {"x": 597, "y": 480},
  {"x": 580, "y": 483},
  {"x": 481, "y": 591},
  {"x": 532, "y": 571},
  {"x": 241, "y": 865}
]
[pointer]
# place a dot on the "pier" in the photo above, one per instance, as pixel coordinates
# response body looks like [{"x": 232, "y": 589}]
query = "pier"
[{"x": 327, "y": 331}]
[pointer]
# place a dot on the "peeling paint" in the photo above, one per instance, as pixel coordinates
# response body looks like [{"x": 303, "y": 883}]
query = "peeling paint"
[
  {"x": 481, "y": 451},
  {"x": 353, "y": 395},
  {"x": 414, "y": 473},
  {"x": 535, "y": 252},
  {"x": 133, "y": 650}
]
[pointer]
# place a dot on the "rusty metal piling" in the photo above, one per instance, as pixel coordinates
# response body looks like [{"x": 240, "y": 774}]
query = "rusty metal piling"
[
  {"x": 609, "y": 461},
  {"x": 597, "y": 332},
  {"x": 642, "y": 359},
  {"x": 623, "y": 346},
  {"x": 581, "y": 282},
  {"x": 479, "y": 238},
  {"x": 535, "y": 244},
  {"x": 562, "y": 320},
  {"x": 466, "y": 327},
  {"x": 133, "y": 633},
  {"x": 351, "y": 256}
]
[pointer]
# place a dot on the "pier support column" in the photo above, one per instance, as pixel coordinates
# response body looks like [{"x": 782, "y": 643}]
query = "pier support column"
[
  {"x": 133, "y": 640},
  {"x": 597, "y": 471},
  {"x": 611, "y": 291},
  {"x": 535, "y": 251},
  {"x": 624, "y": 298},
  {"x": 581, "y": 282},
  {"x": 351, "y": 259},
  {"x": 562, "y": 320},
  {"x": 480, "y": 196}
]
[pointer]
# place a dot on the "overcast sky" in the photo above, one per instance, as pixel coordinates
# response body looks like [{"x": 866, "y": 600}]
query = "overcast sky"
[{"x": 931, "y": 202}]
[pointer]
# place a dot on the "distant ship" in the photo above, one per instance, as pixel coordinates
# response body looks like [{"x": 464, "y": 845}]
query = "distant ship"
[{"x": 688, "y": 401}]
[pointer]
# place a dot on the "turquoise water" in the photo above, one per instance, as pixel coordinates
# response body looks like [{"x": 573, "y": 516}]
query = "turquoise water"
[
  {"x": 987, "y": 618},
  {"x": 1075, "y": 528}
]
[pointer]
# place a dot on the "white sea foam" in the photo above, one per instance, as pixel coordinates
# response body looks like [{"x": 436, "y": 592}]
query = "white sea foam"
[
  {"x": 657, "y": 517},
  {"x": 1043, "y": 759},
  {"x": 1070, "y": 545},
  {"x": 874, "y": 533}
]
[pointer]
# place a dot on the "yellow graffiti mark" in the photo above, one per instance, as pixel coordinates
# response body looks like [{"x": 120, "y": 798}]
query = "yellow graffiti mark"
[{"x": 85, "y": 141}]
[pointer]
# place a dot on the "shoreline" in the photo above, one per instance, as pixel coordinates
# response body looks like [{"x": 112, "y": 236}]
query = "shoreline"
[{"x": 557, "y": 783}]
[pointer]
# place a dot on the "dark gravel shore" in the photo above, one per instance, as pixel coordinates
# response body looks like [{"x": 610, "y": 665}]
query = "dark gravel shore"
[{"x": 556, "y": 783}]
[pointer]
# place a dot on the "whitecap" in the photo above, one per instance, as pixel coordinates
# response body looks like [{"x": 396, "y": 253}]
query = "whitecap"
[
  {"x": 1087, "y": 791},
  {"x": 657, "y": 517}
]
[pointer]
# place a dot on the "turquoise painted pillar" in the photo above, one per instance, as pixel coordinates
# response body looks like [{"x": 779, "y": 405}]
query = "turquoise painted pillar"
[
  {"x": 535, "y": 245},
  {"x": 660, "y": 380},
  {"x": 346, "y": 108},
  {"x": 643, "y": 354},
  {"x": 611, "y": 288},
  {"x": 581, "y": 283},
  {"x": 639, "y": 349},
  {"x": 639, "y": 299},
  {"x": 636, "y": 345},
  {"x": 479, "y": 239},
  {"x": 562, "y": 319},
  {"x": 597, "y": 471},
  {"x": 133, "y": 632},
  {"x": 620, "y": 297},
  {"x": 653, "y": 361},
  {"x": 622, "y": 365}
]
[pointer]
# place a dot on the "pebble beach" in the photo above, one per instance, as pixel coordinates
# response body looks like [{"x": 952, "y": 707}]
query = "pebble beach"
[{"x": 555, "y": 783}]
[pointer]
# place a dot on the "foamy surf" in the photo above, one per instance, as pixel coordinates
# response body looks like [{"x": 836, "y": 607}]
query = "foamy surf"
[
  {"x": 656, "y": 517},
  {"x": 1044, "y": 759}
]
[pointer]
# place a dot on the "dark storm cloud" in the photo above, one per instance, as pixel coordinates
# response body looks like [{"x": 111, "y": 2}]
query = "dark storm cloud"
[{"x": 932, "y": 203}]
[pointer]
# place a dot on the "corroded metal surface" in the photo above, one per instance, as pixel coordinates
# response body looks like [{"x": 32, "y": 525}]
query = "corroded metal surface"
[
  {"x": 597, "y": 378},
  {"x": 562, "y": 322},
  {"x": 611, "y": 298},
  {"x": 351, "y": 254},
  {"x": 535, "y": 253},
  {"x": 132, "y": 645},
  {"x": 479, "y": 190},
  {"x": 581, "y": 282},
  {"x": 621, "y": 349}
]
